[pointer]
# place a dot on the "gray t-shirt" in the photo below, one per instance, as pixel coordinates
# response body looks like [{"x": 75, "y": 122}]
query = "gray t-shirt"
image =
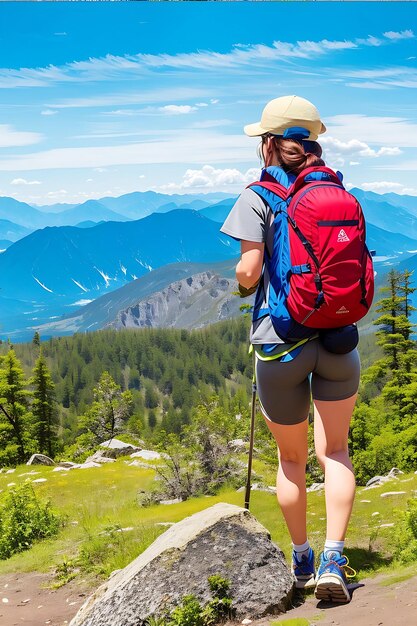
[{"x": 251, "y": 219}]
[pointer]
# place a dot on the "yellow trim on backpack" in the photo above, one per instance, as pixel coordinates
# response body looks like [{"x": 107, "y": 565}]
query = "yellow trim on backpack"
[{"x": 280, "y": 354}]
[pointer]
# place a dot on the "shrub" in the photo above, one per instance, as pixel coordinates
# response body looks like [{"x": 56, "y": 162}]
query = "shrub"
[
  {"x": 191, "y": 613},
  {"x": 24, "y": 519},
  {"x": 406, "y": 534}
]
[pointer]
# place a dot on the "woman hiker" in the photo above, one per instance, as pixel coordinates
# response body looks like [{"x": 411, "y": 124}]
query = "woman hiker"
[{"x": 289, "y": 129}]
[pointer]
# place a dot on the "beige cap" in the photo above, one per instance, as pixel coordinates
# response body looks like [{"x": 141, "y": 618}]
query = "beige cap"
[{"x": 287, "y": 112}]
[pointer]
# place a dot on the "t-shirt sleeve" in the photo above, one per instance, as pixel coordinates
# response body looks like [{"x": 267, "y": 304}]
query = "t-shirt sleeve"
[{"x": 247, "y": 218}]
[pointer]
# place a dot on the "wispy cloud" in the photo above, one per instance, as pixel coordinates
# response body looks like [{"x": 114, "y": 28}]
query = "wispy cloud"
[
  {"x": 10, "y": 138},
  {"x": 23, "y": 181},
  {"x": 403, "y": 34},
  {"x": 128, "y": 98},
  {"x": 175, "y": 109},
  {"x": 191, "y": 147},
  {"x": 112, "y": 67},
  {"x": 381, "y": 131}
]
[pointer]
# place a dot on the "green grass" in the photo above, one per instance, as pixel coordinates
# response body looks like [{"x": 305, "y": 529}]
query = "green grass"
[
  {"x": 98, "y": 501},
  {"x": 298, "y": 621}
]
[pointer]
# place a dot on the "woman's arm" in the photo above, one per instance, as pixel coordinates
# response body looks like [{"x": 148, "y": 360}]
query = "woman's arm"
[{"x": 249, "y": 268}]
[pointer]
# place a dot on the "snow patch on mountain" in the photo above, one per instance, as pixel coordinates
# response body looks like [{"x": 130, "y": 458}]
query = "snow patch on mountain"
[
  {"x": 79, "y": 285},
  {"x": 80, "y": 302},
  {"x": 107, "y": 278},
  {"x": 42, "y": 285},
  {"x": 145, "y": 265},
  {"x": 122, "y": 267}
]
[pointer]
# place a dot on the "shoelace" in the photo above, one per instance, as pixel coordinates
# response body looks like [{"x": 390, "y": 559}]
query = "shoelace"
[{"x": 345, "y": 567}]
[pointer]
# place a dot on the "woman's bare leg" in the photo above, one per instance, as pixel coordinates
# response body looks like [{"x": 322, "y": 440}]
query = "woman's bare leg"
[
  {"x": 331, "y": 428},
  {"x": 291, "y": 477}
]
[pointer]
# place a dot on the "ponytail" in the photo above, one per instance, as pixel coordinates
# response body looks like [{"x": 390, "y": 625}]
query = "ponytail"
[{"x": 293, "y": 158}]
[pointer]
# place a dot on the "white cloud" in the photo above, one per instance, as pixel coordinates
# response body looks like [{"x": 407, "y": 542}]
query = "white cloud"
[
  {"x": 381, "y": 186},
  {"x": 10, "y": 137},
  {"x": 209, "y": 177},
  {"x": 49, "y": 112},
  {"x": 189, "y": 147},
  {"x": 385, "y": 131},
  {"x": 384, "y": 186},
  {"x": 175, "y": 109},
  {"x": 23, "y": 181},
  {"x": 355, "y": 147},
  {"x": 395, "y": 35}
]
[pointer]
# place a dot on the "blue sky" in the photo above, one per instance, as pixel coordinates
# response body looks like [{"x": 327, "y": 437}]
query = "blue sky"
[{"x": 107, "y": 98}]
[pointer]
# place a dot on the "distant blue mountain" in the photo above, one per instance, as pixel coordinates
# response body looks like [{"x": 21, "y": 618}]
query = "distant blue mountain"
[
  {"x": 63, "y": 263},
  {"x": 21, "y": 213},
  {"x": 401, "y": 200},
  {"x": 11, "y": 231},
  {"x": 4, "y": 244},
  {"x": 380, "y": 213},
  {"x": 142, "y": 203},
  {"x": 219, "y": 211},
  {"x": 30, "y": 218},
  {"x": 90, "y": 210}
]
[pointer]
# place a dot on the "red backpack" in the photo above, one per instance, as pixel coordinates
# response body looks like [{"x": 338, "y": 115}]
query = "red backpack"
[{"x": 321, "y": 271}]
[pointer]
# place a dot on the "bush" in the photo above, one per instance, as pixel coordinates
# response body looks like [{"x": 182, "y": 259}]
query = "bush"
[
  {"x": 24, "y": 519},
  {"x": 406, "y": 534},
  {"x": 191, "y": 613}
]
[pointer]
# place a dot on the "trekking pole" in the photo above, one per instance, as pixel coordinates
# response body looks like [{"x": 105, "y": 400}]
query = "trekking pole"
[{"x": 252, "y": 435}]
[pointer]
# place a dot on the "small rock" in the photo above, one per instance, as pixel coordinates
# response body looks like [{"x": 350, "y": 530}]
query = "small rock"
[
  {"x": 148, "y": 455},
  {"x": 87, "y": 465},
  {"x": 392, "y": 493},
  {"x": 40, "y": 480},
  {"x": 5, "y": 600},
  {"x": 366, "y": 501},
  {"x": 376, "y": 513},
  {"x": 59, "y": 468},
  {"x": 315, "y": 487},
  {"x": 174, "y": 501},
  {"x": 10, "y": 484},
  {"x": 387, "y": 525},
  {"x": 40, "y": 459},
  {"x": 377, "y": 480},
  {"x": 246, "y": 621},
  {"x": 395, "y": 472},
  {"x": 10, "y": 471}
]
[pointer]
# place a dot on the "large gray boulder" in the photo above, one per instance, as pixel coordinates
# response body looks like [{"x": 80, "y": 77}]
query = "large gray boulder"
[{"x": 223, "y": 539}]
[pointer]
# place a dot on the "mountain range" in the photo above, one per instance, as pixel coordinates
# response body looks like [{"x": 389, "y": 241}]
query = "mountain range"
[{"x": 115, "y": 272}]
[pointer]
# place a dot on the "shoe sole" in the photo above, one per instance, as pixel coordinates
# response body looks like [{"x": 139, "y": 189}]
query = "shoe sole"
[
  {"x": 331, "y": 588},
  {"x": 308, "y": 581}
]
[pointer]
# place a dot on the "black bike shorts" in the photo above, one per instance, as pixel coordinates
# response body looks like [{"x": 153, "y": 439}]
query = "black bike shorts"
[{"x": 285, "y": 387}]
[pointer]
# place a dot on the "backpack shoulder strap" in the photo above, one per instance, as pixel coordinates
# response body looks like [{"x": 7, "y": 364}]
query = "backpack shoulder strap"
[
  {"x": 315, "y": 174},
  {"x": 273, "y": 193}
]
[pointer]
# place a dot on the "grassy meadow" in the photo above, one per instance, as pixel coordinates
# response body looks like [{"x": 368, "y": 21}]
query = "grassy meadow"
[{"x": 105, "y": 528}]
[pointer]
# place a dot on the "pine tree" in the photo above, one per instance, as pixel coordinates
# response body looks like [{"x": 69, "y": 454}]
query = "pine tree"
[
  {"x": 36, "y": 339},
  {"x": 45, "y": 421},
  {"x": 111, "y": 408},
  {"x": 14, "y": 413}
]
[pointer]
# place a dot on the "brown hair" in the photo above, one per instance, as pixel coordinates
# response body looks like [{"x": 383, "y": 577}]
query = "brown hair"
[{"x": 291, "y": 154}]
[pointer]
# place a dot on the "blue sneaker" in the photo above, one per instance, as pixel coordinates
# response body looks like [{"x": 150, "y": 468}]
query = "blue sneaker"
[
  {"x": 331, "y": 584},
  {"x": 303, "y": 569}
]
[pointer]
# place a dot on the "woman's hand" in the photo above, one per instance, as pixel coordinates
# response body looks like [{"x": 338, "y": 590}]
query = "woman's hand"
[{"x": 249, "y": 268}]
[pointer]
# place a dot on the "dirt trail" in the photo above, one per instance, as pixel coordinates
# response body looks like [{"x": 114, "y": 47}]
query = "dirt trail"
[{"x": 30, "y": 603}]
